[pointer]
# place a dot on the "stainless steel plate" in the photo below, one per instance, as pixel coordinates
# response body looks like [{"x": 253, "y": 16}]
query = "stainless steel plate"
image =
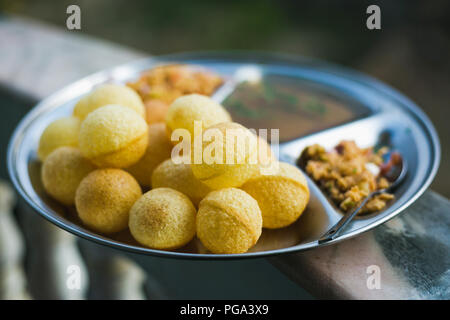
[{"x": 389, "y": 113}]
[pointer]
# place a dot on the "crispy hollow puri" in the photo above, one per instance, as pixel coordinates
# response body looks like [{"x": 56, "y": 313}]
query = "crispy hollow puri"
[
  {"x": 61, "y": 132},
  {"x": 229, "y": 221},
  {"x": 163, "y": 218},
  {"x": 104, "y": 199},
  {"x": 62, "y": 172},
  {"x": 159, "y": 149},
  {"x": 179, "y": 177},
  {"x": 113, "y": 136},
  {"x": 109, "y": 94},
  {"x": 156, "y": 111},
  {"x": 195, "y": 107},
  {"x": 229, "y": 166},
  {"x": 282, "y": 197}
]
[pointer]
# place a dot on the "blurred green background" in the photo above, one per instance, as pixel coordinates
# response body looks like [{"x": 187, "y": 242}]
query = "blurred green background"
[{"x": 410, "y": 52}]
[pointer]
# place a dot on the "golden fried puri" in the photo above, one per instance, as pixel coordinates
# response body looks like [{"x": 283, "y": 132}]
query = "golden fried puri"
[
  {"x": 59, "y": 133},
  {"x": 104, "y": 199},
  {"x": 282, "y": 197},
  {"x": 195, "y": 107},
  {"x": 113, "y": 136},
  {"x": 156, "y": 111},
  {"x": 109, "y": 94},
  {"x": 229, "y": 221},
  {"x": 159, "y": 149},
  {"x": 179, "y": 177},
  {"x": 221, "y": 170},
  {"x": 63, "y": 171},
  {"x": 163, "y": 218}
]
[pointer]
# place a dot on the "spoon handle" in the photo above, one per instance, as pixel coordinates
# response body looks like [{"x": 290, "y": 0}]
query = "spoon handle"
[{"x": 334, "y": 231}]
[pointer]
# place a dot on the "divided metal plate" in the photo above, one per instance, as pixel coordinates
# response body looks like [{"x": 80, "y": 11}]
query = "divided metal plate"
[{"x": 387, "y": 113}]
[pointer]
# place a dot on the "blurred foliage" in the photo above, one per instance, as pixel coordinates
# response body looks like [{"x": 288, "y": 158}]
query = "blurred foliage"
[
  {"x": 329, "y": 29},
  {"x": 323, "y": 28}
]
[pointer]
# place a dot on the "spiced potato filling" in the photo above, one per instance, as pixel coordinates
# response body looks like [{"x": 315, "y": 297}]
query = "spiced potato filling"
[{"x": 348, "y": 174}]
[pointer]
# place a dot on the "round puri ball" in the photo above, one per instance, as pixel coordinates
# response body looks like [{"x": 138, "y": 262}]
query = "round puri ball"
[
  {"x": 179, "y": 177},
  {"x": 63, "y": 171},
  {"x": 113, "y": 136},
  {"x": 221, "y": 170},
  {"x": 229, "y": 221},
  {"x": 163, "y": 218},
  {"x": 195, "y": 107},
  {"x": 59, "y": 133},
  {"x": 104, "y": 199},
  {"x": 156, "y": 111},
  {"x": 159, "y": 149},
  {"x": 282, "y": 197},
  {"x": 109, "y": 94}
]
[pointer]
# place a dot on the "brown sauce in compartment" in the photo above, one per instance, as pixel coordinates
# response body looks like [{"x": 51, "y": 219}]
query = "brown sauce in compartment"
[{"x": 293, "y": 106}]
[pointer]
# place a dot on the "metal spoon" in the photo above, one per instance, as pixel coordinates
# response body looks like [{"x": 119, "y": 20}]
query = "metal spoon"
[{"x": 395, "y": 172}]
